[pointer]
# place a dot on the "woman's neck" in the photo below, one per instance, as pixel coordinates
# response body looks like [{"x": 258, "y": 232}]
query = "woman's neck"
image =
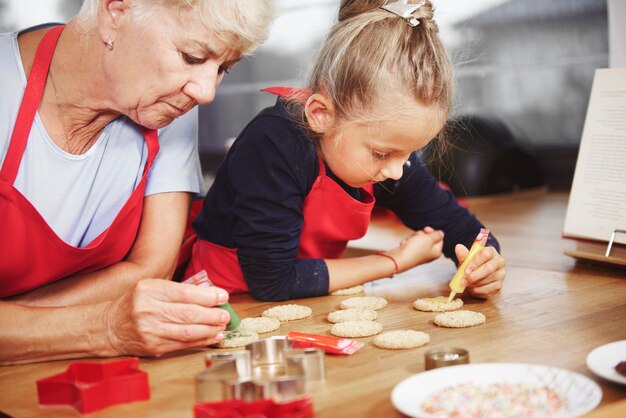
[{"x": 74, "y": 107}]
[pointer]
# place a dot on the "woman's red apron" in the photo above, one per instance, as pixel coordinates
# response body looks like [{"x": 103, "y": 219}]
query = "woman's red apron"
[
  {"x": 31, "y": 253},
  {"x": 331, "y": 218}
]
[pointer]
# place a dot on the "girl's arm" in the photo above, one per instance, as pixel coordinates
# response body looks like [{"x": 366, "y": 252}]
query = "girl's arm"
[{"x": 419, "y": 248}]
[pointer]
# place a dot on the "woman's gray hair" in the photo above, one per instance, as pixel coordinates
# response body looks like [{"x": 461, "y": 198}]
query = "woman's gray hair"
[{"x": 241, "y": 24}]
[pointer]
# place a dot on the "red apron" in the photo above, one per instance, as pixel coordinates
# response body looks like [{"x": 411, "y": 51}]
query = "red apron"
[
  {"x": 331, "y": 218},
  {"x": 31, "y": 253}
]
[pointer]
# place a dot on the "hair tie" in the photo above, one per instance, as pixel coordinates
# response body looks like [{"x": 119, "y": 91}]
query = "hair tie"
[{"x": 403, "y": 9}]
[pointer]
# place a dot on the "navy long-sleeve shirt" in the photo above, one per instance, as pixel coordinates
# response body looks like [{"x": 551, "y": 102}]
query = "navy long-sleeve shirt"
[{"x": 255, "y": 205}]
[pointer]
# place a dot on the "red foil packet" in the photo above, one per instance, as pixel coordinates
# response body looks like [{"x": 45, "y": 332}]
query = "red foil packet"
[
  {"x": 330, "y": 344},
  {"x": 200, "y": 279}
]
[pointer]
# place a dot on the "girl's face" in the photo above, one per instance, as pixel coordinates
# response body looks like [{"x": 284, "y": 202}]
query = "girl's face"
[
  {"x": 366, "y": 153},
  {"x": 162, "y": 67}
]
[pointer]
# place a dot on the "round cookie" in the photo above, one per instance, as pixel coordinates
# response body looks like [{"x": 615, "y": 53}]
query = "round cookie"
[
  {"x": 364, "y": 302},
  {"x": 237, "y": 338},
  {"x": 459, "y": 319},
  {"x": 355, "y": 329},
  {"x": 352, "y": 314},
  {"x": 401, "y": 339},
  {"x": 438, "y": 304},
  {"x": 260, "y": 325},
  {"x": 355, "y": 290},
  {"x": 289, "y": 312}
]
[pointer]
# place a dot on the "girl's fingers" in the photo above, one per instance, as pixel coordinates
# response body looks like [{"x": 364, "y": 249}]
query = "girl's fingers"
[
  {"x": 482, "y": 272},
  {"x": 487, "y": 290},
  {"x": 461, "y": 252},
  {"x": 487, "y": 256},
  {"x": 479, "y": 259}
]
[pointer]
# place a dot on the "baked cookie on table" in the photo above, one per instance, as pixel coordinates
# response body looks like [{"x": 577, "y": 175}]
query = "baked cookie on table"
[
  {"x": 237, "y": 338},
  {"x": 352, "y": 314},
  {"x": 437, "y": 304},
  {"x": 364, "y": 302},
  {"x": 401, "y": 339},
  {"x": 460, "y": 319},
  {"x": 356, "y": 329},
  {"x": 290, "y": 312},
  {"x": 260, "y": 325},
  {"x": 355, "y": 290}
]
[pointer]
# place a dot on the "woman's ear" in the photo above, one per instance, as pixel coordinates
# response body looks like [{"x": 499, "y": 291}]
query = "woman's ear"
[
  {"x": 320, "y": 113},
  {"x": 110, "y": 13}
]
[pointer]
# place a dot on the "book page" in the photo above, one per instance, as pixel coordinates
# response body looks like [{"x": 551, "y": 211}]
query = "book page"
[{"x": 597, "y": 203}]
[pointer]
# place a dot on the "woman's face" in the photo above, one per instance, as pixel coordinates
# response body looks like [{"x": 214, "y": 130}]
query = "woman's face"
[
  {"x": 165, "y": 65},
  {"x": 369, "y": 152}
]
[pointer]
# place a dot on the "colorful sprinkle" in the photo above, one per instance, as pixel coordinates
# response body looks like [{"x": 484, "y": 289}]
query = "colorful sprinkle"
[{"x": 498, "y": 400}]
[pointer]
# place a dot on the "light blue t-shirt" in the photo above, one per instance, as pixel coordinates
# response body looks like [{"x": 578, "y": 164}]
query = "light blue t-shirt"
[{"x": 80, "y": 195}]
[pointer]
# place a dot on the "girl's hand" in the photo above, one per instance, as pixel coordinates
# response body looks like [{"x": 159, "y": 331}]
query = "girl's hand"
[
  {"x": 418, "y": 248},
  {"x": 485, "y": 274},
  {"x": 160, "y": 316}
]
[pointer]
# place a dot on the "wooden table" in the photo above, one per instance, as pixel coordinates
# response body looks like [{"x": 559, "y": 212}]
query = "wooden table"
[{"x": 552, "y": 311}]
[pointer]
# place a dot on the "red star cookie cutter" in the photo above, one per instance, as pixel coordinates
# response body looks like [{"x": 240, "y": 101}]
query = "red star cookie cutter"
[{"x": 89, "y": 387}]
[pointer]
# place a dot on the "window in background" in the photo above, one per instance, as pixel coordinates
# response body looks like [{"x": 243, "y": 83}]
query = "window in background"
[
  {"x": 526, "y": 67},
  {"x": 530, "y": 64}
]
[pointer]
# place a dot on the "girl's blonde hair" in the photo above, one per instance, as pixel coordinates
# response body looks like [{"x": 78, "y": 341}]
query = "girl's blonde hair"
[
  {"x": 370, "y": 51},
  {"x": 240, "y": 24}
]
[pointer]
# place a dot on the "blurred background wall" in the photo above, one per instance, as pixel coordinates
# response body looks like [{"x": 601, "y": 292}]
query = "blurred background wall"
[{"x": 528, "y": 65}]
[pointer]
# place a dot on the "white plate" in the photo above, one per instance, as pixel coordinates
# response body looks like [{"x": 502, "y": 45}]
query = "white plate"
[
  {"x": 581, "y": 393},
  {"x": 602, "y": 361}
]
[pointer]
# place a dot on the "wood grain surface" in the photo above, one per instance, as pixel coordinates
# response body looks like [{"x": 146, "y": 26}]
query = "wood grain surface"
[{"x": 552, "y": 311}]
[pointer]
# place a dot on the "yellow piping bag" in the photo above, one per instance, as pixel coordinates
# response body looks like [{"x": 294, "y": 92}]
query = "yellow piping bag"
[{"x": 456, "y": 284}]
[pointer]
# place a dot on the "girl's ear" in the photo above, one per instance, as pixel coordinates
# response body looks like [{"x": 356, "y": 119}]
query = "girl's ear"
[
  {"x": 320, "y": 113},
  {"x": 110, "y": 14}
]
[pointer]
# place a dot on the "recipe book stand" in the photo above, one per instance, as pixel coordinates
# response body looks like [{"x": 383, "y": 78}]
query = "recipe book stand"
[{"x": 610, "y": 253}]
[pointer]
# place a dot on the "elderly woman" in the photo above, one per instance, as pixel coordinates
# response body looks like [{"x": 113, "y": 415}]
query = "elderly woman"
[{"x": 98, "y": 167}]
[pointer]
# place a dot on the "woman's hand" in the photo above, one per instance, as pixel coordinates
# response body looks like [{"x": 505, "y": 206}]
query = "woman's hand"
[
  {"x": 160, "y": 316},
  {"x": 485, "y": 273},
  {"x": 418, "y": 248}
]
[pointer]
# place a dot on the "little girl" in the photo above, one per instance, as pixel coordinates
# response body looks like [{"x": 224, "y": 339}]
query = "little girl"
[{"x": 302, "y": 178}]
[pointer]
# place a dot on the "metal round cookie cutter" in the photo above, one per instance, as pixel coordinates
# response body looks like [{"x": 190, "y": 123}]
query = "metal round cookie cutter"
[
  {"x": 446, "y": 356},
  {"x": 268, "y": 368}
]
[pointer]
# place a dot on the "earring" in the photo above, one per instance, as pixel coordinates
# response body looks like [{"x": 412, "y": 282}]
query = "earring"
[{"x": 109, "y": 44}]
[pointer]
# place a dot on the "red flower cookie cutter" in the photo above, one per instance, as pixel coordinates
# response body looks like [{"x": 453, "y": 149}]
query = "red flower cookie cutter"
[
  {"x": 89, "y": 387},
  {"x": 262, "y": 408}
]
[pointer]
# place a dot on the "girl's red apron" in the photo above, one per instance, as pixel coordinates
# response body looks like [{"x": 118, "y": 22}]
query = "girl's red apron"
[
  {"x": 331, "y": 218},
  {"x": 31, "y": 253}
]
